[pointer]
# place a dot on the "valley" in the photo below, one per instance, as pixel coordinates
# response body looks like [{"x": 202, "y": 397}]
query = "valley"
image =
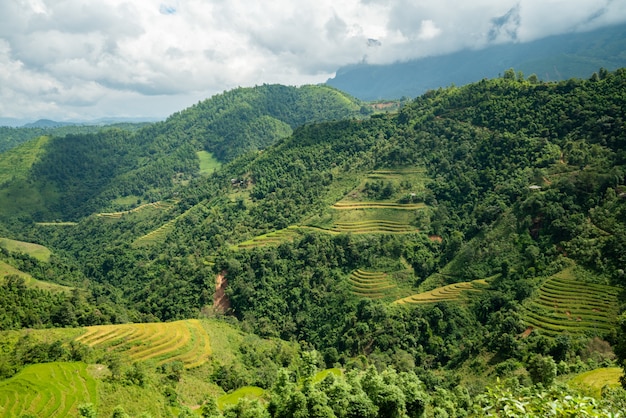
[{"x": 278, "y": 251}]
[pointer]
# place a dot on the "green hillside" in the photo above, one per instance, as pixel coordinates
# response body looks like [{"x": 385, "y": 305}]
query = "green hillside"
[
  {"x": 73, "y": 176},
  {"x": 34, "y": 250},
  {"x": 493, "y": 214},
  {"x": 50, "y": 390},
  {"x": 12, "y": 137}
]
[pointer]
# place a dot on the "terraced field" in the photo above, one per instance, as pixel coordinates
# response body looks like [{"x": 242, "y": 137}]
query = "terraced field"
[
  {"x": 342, "y": 205},
  {"x": 47, "y": 390},
  {"x": 451, "y": 293},
  {"x": 373, "y": 226},
  {"x": 593, "y": 381},
  {"x": 158, "y": 235},
  {"x": 164, "y": 342},
  {"x": 565, "y": 304},
  {"x": 271, "y": 238},
  {"x": 371, "y": 284},
  {"x": 117, "y": 215}
]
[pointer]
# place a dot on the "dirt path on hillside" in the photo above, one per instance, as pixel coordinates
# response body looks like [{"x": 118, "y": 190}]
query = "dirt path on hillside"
[{"x": 221, "y": 303}]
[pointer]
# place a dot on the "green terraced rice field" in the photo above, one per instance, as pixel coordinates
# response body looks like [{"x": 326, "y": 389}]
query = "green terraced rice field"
[
  {"x": 373, "y": 226},
  {"x": 162, "y": 342},
  {"x": 451, "y": 293},
  {"x": 377, "y": 205},
  {"x": 271, "y": 238},
  {"x": 371, "y": 284},
  {"x": 565, "y": 304},
  {"x": 593, "y": 381},
  {"x": 117, "y": 215},
  {"x": 248, "y": 392},
  {"x": 47, "y": 390},
  {"x": 158, "y": 235}
]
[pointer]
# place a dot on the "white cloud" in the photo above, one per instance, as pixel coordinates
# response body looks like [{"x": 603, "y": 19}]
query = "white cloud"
[
  {"x": 71, "y": 58},
  {"x": 428, "y": 30}
]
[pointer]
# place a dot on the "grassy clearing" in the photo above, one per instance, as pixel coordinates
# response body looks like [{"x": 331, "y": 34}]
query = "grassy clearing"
[
  {"x": 231, "y": 399},
  {"x": 37, "y": 251},
  {"x": 30, "y": 281},
  {"x": 16, "y": 162},
  {"x": 565, "y": 303},
  {"x": 47, "y": 390},
  {"x": 208, "y": 163},
  {"x": 16, "y": 192},
  {"x": 401, "y": 183},
  {"x": 593, "y": 381},
  {"x": 185, "y": 341},
  {"x": 319, "y": 376},
  {"x": 455, "y": 292}
]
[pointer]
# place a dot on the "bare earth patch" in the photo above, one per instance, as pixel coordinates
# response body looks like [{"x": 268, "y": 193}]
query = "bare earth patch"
[{"x": 221, "y": 303}]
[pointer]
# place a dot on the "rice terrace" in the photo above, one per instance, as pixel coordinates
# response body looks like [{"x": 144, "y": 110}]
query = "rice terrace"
[
  {"x": 370, "y": 284},
  {"x": 47, "y": 390},
  {"x": 162, "y": 342},
  {"x": 450, "y": 293},
  {"x": 566, "y": 303}
]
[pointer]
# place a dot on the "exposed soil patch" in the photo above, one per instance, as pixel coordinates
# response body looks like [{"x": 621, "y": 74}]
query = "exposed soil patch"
[
  {"x": 221, "y": 303},
  {"x": 435, "y": 238},
  {"x": 527, "y": 332}
]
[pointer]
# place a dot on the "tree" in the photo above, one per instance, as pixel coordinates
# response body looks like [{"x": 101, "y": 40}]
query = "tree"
[
  {"x": 542, "y": 369},
  {"x": 87, "y": 410},
  {"x": 620, "y": 348},
  {"x": 209, "y": 409}
]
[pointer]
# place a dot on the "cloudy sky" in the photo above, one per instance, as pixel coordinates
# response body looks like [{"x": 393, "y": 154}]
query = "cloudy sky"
[{"x": 85, "y": 59}]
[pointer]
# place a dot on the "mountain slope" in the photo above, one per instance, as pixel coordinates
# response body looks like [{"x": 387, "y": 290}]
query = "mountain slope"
[
  {"x": 80, "y": 174},
  {"x": 481, "y": 201}
]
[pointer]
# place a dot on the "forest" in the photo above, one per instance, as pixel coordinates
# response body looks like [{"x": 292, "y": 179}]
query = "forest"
[{"x": 461, "y": 256}]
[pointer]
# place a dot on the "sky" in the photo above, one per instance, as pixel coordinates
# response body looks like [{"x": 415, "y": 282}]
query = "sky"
[{"x": 89, "y": 59}]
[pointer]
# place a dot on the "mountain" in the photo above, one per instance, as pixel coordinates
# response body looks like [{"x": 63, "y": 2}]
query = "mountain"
[
  {"x": 555, "y": 58},
  {"x": 448, "y": 257},
  {"x": 47, "y": 123},
  {"x": 81, "y": 173}
]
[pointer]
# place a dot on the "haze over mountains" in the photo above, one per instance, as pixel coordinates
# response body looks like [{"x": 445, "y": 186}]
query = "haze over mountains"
[{"x": 555, "y": 58}]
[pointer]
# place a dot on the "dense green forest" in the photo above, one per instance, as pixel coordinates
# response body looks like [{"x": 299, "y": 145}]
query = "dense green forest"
[
  {"x": 78, "y": 174},
  {"x": 12, "y": 137},
  {"x": 463, "y": 256}
]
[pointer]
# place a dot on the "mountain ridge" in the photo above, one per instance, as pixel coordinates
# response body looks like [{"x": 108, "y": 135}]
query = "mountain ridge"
[{"x": 556, "y": 58}]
